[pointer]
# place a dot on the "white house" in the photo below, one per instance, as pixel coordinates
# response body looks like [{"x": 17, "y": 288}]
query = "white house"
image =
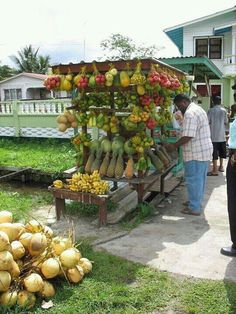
[
  {"x": 26, "y": 86},
  {"x": 208, "y": 51}
]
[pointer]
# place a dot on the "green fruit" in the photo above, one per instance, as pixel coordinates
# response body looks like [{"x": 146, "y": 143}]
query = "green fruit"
[
  {"x": 92, "y": 81},
  {"x": 106, "y": 145},
  {"x": 128, "y": 148}
]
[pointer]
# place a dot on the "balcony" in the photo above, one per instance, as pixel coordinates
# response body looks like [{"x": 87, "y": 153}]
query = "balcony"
[{"x": 229, "y": 66}]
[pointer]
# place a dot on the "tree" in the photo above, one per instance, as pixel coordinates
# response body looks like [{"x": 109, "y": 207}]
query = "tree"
[
  {"x": 118, "y": 47},
  {"x": 6, "y": 72},
  {"x": 28, "y": 60}
]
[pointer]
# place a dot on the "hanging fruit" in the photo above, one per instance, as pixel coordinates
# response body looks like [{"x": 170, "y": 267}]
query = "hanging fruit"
[
  {"x": 52, "y": 82},
  {"x": 138, "y": 78},
  {"x": 100, "y": 79},
  {"x": 83, "y": 80}
]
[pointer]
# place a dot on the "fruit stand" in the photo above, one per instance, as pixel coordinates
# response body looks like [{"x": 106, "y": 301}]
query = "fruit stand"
[{"x": 124, "y": 102}]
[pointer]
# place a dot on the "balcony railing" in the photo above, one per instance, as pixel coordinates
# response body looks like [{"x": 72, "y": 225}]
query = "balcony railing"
[
  {"x": 229, "y": 66},
  {"x": 229, "y": 59}
]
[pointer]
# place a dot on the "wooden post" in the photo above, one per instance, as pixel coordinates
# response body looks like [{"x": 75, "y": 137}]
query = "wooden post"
[
  {"x": 60, "y": 207},
  {"x": 102, "y": 212}
]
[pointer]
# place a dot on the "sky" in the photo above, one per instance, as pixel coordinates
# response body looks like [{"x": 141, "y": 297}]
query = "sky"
[{"x": 72, "y": 30}]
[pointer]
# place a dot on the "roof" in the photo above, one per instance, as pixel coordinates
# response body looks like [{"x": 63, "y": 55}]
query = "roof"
[
  {"x": 201, "y": 19},
  {"x": 103, "y": 66},
  {"x": 31, "y": 75},
  {"x": 197, "y": 66},
  {"x": 175, "y": 33}
]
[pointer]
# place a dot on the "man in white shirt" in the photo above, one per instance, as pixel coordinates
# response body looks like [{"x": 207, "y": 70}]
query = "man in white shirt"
[
  {"x": 218, "y": 120},
  {"x": 197, "y": 151}
]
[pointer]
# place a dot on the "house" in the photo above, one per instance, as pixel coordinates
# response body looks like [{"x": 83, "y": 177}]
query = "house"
[
  {"x": 26, "y": 86},
  {"x": 208, "y": 52}
]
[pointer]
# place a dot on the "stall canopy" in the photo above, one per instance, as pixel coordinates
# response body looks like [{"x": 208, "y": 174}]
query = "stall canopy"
[{"x": 201, "y": 67}]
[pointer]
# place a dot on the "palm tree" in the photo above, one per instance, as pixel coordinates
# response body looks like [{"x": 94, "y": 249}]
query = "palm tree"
[
  {"x": 6, "y": 72},
  {"x": 28, "y": 60}
]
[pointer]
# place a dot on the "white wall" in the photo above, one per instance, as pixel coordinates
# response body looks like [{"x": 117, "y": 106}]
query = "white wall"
[
  {"x": 21, "y": 82},
  {"x": 26, "y": 84},
  {"x": 206, "y": 28}
]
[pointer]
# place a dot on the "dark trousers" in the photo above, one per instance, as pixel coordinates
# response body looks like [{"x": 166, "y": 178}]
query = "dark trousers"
[{"x": 231, "y": 195}]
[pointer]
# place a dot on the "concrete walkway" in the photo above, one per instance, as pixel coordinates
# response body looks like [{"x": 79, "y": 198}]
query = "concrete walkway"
[{"x": 183, "y": 244}]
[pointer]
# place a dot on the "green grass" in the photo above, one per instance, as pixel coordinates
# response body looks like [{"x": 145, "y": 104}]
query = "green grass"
[
  {"x": 48, "y": 155},
  {"x": 115, "y": 285},
  {"x": 22, "y": 201},
  {"x": 119, "y": 286}
]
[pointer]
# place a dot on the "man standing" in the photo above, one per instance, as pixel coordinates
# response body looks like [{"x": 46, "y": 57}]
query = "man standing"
[
  {"x": 231, "y": 184},
  {"x": 197, "y": 151},
  {"x": 218, "y": 121}
]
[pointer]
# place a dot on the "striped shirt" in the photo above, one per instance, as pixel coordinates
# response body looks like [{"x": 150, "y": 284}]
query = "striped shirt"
[{"x": 196, "y": 125}]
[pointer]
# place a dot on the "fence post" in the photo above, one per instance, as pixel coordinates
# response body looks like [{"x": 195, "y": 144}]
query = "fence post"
[{"x": 16, "y": 121}]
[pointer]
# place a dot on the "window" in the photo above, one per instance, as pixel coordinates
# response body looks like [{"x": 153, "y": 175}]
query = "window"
[
  {"x": 11, "y": 94},
  {"x": 210, "y": 47},
  {"x": 215, "y": 90}
]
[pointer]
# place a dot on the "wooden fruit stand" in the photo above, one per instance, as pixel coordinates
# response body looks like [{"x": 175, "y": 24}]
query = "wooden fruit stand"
[{"x": 146, "y": 88}]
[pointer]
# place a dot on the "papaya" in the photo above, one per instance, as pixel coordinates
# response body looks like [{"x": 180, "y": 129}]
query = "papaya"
[
  {"x": 124, "y": 79},
  {"x": 129, "y": 169}
]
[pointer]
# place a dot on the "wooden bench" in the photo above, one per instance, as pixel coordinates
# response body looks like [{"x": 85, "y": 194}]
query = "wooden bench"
[{"x": 60, "y": 195}]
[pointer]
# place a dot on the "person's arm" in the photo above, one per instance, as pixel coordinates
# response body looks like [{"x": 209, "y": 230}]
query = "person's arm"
[
  {"x": 233, "y": 159},
  {"x": 183, "y": 140}
]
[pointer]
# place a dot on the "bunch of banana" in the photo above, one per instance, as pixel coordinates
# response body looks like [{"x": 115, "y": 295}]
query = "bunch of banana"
[
  {"x": 88, "y": 183},
  {"x": 58, "y": 184}
]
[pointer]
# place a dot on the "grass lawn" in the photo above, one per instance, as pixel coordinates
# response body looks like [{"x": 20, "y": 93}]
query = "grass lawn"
[
  {"x": 48, "y": 155},
  {"x": 118, "y": 286},
  {"x": 115, "y": 285},
  {"x": 21, "y": 201}
]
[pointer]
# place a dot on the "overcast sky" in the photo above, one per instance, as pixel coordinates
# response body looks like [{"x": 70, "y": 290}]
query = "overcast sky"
[{"x": 72, "y": 30}]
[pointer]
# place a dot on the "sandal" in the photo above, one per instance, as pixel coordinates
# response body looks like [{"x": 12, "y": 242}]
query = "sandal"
[
  {"x": 188, "y": 211},
  {"x": 221, "y": 169},
  {"x": 211, "y": 174}
]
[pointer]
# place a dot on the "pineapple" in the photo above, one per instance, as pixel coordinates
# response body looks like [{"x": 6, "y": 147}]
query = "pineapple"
[
  {"x": 90, "y": 161},
  {"x": 104, "y": 165},
  {"x": 96, "y": 164},
  {"x": 119, "y": 169},
  {"x": 112, "y": 165}
]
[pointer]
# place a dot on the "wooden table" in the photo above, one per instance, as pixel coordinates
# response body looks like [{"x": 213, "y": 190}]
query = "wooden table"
[{"x": 60, "y": 195}]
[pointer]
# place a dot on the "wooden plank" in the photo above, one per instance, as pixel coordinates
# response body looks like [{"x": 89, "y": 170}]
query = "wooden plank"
[
  {"x": 70, "y": 171},
  {"x": 169, "y": 185},
  {"x": 14, "y": 174}
]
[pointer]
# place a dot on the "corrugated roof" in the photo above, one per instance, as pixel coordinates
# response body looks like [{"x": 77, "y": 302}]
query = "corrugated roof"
[{"x": 104, "y": 66}]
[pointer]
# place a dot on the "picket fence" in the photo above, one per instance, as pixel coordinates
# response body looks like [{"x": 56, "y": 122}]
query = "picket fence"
[{"x": 33, "y": 118}]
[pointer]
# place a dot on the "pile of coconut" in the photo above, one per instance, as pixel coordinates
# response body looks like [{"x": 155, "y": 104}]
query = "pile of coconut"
[{"x": 30, "y": 256}]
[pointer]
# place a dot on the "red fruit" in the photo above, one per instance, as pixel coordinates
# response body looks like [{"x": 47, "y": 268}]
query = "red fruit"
[{"x": 151, "y": 123}]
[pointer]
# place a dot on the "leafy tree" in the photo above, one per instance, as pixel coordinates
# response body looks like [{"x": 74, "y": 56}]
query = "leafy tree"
[
  {"x": 28, "y": 60},
  {"x": 6, "y": 72},
  {"x": 118, "y": 47}
]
